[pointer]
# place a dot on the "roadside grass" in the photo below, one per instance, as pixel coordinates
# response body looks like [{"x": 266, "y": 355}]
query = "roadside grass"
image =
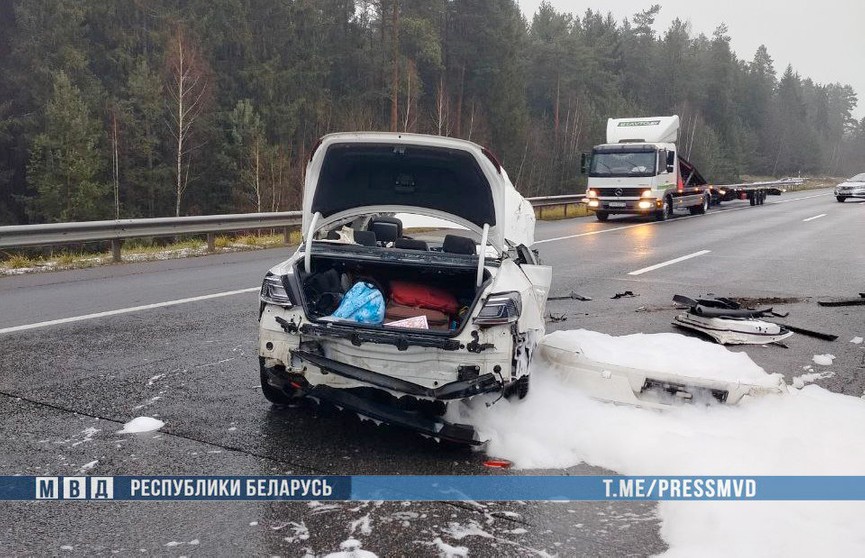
[
  {"x": 557, "y": 212},
  {"x": 136, "y": 250}
]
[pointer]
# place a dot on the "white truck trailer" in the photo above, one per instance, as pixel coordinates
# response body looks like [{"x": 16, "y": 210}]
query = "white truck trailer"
[{"x": 639, "y": 171}]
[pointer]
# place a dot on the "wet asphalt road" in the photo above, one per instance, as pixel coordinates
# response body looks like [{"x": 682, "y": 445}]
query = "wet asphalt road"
[{"x": 66, "y": 389}]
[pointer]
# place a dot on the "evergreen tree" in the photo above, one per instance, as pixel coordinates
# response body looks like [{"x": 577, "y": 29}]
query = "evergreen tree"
[{"x": 66, "y": 161}]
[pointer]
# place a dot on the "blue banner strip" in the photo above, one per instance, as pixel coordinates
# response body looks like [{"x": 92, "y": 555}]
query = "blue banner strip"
[{"x": 434, "y": 488}]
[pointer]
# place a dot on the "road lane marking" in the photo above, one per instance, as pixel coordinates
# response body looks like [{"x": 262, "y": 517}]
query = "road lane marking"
[
  {"x": 677, "y": 219},
  {"x": 814, "y": 217},
  {"x": 125, "y": 310},
  {"x": 669, "y": 262}
]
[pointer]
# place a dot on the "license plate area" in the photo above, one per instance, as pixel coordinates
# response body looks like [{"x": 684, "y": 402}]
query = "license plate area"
[{"x": 617, "y": 204}]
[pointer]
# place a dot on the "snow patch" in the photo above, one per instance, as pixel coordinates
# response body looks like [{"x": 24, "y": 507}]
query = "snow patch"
[
  {"x": 351, "y": 549},
  {"x": 856, "y": 340},
  {"x": 808, "y": 431},
  {"x": 363, "y": 523},
  {"x": 800, "y": 381},
  {"x": 459, "y": 531},
  {"x": 87, "y": 466},
  {"x": 299, "y": 531},
  {"x": 823, "y": 360},
  {"x": 448, "y": 551},
  {"x": 88, "y": 433},
  {"x": 141, "y": 424}
]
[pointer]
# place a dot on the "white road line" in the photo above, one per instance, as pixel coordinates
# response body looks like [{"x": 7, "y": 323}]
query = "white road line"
[
  {"x": 125, "y": 310},
  {"x": 669, "y": 262},
  {"x": 614, "y": 229},
  {"x": 814, "y": 217}
]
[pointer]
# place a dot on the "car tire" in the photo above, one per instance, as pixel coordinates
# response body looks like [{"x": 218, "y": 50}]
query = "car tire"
[
  {"x": 666, "y": 210},
  {"x": 272, "y": 394},
  {"x": 602, "y": 216},
  {"x": 840, "y": 198}
]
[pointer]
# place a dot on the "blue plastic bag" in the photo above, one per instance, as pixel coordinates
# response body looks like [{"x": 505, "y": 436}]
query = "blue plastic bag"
[{"x": 362, "y": 303}]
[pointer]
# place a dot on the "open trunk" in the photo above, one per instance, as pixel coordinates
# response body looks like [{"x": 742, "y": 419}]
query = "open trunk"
[{"x": 446, "y": 283}]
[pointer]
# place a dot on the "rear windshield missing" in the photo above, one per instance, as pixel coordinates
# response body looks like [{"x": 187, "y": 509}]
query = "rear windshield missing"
[{"x": 450, "y": 180}]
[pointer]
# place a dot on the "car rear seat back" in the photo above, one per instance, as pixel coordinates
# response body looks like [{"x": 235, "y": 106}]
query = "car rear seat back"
[
  {"x": 410, "y": 244},
  {"x": 455, "y": 244}
]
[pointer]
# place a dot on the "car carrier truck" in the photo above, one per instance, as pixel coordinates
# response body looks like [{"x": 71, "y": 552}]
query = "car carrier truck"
[{"x": 639, "y": 171}]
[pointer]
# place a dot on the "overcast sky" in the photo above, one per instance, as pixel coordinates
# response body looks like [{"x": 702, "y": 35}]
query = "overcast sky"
[{"x": 822, "y": 39}]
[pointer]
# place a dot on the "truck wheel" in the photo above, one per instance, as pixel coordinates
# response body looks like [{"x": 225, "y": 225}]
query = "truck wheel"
[
  {"x": 272, "y": 394},
  {"x": 666, "y": 210},
  {"x": 840, "y": 198},
  {"x": 702, "y": 208},
  {"x": 602, "y": 215},
  {"x": 753, "y": 198},
  {"x": 761, "y": 199}
]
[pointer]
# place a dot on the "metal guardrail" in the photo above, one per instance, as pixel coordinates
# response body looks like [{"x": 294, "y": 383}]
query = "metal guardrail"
[
  {"x": 22, "y": 236},
  {"x": 545, "y": 201}
]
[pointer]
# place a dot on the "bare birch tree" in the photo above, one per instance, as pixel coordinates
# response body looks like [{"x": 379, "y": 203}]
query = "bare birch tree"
[{"x": 187, "y": 88}]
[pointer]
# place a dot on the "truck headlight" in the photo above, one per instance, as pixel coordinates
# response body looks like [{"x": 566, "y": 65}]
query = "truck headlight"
[
  {"x": 500, "y": 308},
  {"x": 646, "y": 194},
  {"x": 273, "y": 291},
  {"x": 591, "y": 194}
]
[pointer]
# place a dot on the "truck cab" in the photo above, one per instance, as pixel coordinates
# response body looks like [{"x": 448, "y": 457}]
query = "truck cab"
[{"x": 640, "y": 172}]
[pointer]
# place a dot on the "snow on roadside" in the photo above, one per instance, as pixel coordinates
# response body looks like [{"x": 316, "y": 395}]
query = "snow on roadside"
[
  {"x": 808, "y": 431},
  {"x": 856, "y": 340},
  {"x": 141, "y": 424}
]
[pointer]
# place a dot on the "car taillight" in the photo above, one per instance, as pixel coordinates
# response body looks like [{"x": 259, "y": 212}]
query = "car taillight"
[
  {"x": 273, "y": 291},
  {"x": 500, "y": 308}
]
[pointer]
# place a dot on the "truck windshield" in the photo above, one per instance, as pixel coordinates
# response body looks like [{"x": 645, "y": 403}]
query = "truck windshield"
[{"x": 623, "y": 163}]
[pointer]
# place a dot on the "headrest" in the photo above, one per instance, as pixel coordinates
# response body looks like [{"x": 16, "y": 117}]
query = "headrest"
[
  {"x": 365, "y": 238},
  {"x": 410, "y": 244},
  {"x": 455, "y": 244},
  {"x": 384, "y": 232}
]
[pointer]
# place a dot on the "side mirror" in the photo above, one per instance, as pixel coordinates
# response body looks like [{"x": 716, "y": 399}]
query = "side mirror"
[
  {"x": 671, "y": 161},
  {"x": 585, "y": 161}
]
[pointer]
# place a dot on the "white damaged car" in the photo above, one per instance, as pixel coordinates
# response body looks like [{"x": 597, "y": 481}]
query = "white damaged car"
[
  {"x": 453, "y": 313},
  {"x": 851, "y": 188}
]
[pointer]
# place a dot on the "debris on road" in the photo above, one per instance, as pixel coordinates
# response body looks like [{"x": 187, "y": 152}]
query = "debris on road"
[
  {"x": 823, "y": 360},
  {"x": 626, "y": 294},
  {"x": 557, "y": 317},
  {"x": 727, "y": 323},
  {"x": 843, "y": 301},
  {"x": 652, "y": 370},
  {"x": 497, "y": 463},
  {"x": 809, "y": 332},
  {"x": 572, "y": 296}
]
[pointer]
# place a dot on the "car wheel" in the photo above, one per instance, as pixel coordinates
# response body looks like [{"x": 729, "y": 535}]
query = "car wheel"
[
  {"x": 666, "y": 210},
  {"x": 602, "y": 215},
  {"x": 273, "y": 394},
  {"x": 840, "y": 198}
]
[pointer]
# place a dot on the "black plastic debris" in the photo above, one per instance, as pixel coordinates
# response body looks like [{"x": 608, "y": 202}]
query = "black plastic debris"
[
  {"x": 843, "y": 301},
  {"x": 557, "y": 317},
  {"x": 626, "y": 294},
  {"x": 572, "y": 296}
]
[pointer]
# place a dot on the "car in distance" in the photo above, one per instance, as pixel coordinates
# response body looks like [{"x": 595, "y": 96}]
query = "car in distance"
[
  {"x": 853, "y": 187},
  {"x": 393, "y": 326}
]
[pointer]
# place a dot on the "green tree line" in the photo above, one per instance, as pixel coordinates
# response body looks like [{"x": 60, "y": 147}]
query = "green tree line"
[{"x": 147, "y": 108}]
